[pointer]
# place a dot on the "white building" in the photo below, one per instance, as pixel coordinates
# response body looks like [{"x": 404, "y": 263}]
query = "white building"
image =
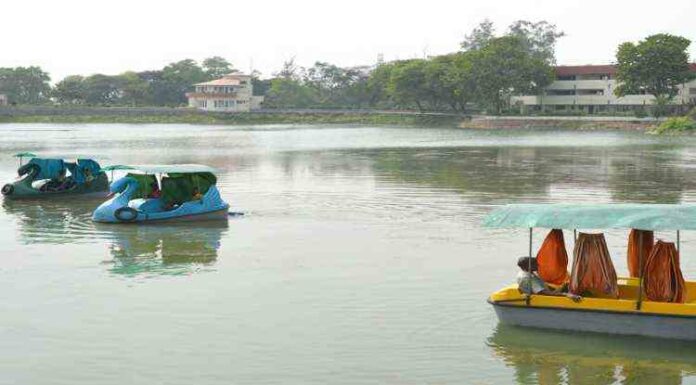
[
  {"x": 3, "y": 100},
  {"x": 590, "y": 88},
  {"x": 231, "y": 93}
]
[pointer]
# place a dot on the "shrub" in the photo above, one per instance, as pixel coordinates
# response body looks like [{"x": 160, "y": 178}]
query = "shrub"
[{"x": 674, "y": 125}]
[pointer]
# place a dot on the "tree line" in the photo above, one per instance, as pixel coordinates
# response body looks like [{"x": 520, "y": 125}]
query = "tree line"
[
  {"x": 484, "y": 73},
  {"x": 487, "y": 70},
  {"x": 165, "y": 87}
]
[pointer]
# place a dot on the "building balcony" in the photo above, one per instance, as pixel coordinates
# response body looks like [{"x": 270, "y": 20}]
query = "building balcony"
[
  {"x": 213, "y": 95},
  {"x": 580, "y": 84}
]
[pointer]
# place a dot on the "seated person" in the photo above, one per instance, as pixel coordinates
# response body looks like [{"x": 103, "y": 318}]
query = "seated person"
[
  {"x": 529, "y": 282},
  {"x": 60, "y": 183},
  {"x": 155, "y": 191},
  {"x": 197, "y": 196},
  {"x": 88, "y": 175}
]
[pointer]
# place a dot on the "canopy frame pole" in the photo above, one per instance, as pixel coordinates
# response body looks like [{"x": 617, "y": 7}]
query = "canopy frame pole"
[
  {"x": 575, "y": 235},
  {"x": 640, "y": 271},
  {"x": 678, "y": 243},
  {"x": 528, "y": 297}
]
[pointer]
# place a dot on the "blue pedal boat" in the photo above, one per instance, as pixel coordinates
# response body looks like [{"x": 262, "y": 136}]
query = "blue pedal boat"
[
  {"x": 162, "y": 193},
  {"x": 56, "y": 176}
]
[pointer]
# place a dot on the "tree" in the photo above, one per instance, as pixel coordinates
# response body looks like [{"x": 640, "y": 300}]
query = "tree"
[
  {"x": 479, "y": 36},
  {"x": 656, "y": 66},
  {"x": 25, "y": 85},
  {"x": 260, "y": 86},
  {"x": 178, "y": 78},
  {"x": 377, "y": 87},
  {"x": 506, "y": 67},
  {"x": 540, "y": 38},
  {"x": 408, "y": 84},
  {"x": 71, "y": 90},
  {"x": 216, "y": 67},
  {"x": 102, "y": 90},
  {"x": 134, "y": 90},
  {"x": 289, "y": 93},
  {"x": 290, "y": 70}
]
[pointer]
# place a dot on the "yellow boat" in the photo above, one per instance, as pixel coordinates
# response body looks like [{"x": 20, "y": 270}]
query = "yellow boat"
[{"x": 631, "y": 313}]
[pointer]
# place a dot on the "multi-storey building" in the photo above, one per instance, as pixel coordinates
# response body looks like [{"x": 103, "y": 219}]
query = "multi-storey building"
[
  {"x": 231, "y": 93},
  {"x": 590, "y": 88}
]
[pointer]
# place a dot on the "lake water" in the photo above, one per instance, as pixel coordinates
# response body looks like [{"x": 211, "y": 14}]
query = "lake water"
[{"x": 360, "y": 259}]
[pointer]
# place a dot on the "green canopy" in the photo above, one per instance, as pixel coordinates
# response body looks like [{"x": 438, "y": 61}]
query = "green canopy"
[
  {"x": 145, "y": 185},
  {"x": 594, "y": 216},
  {"x": 178, "y": 188}
]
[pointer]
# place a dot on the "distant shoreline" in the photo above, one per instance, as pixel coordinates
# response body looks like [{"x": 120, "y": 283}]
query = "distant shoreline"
[{"x": 165, "y": 115}]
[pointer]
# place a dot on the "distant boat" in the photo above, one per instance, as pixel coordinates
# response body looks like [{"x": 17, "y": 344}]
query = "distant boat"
[
  {"x": 55, "y": 176},
  {"x": 188, "y": 192},
  {"x": 632, "y": 313}
]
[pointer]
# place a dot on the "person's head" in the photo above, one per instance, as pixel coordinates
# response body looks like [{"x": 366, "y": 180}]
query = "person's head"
[{"x": 524, "y": 263}]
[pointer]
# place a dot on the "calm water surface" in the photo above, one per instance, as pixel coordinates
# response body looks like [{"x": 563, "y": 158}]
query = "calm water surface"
[{"x": 360, "y": 259}]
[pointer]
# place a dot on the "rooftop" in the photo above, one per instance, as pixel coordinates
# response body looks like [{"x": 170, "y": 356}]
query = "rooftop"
[
  {"x": 232, "y": 79},
  {"x": 594, "y": 69}
]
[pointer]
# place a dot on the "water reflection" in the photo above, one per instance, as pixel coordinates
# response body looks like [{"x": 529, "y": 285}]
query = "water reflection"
[
  {"x": 172, "y": 249},
  {"x": 652, "y": 173},
  {"x": 547, "y": 357},
  {"x": 57, "y": 221}
]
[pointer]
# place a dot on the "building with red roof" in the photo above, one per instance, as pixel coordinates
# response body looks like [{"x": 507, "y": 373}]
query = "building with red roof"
[{"x": 231, "y": 93}]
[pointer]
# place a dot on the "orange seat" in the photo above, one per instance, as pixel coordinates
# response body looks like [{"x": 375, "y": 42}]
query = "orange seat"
[
  {"x": 638, "y": 239},
  {"x": 552, "y": 259},
  {"x": 593, "y": 272},
  {"x": 663, "y": 279}
]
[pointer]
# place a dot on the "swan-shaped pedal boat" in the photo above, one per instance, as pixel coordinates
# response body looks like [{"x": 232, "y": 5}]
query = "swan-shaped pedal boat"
[
  {"x": 185, "y": 192},
  {"x": 56, "y": 176}
]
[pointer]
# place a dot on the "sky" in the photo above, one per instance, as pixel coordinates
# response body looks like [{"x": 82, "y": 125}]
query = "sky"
[{"x": 96, "y": 36}]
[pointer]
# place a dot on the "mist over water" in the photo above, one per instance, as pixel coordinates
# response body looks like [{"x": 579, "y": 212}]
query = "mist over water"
[{"x": 360, "y": 259}]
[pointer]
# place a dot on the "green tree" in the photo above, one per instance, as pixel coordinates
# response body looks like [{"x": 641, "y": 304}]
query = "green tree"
[
  {"x": 377, "y": 87},
  {"x": 102, "y": 90},
  {"x": 25, "y": 85},
  {"x": 71, "y": 90},
  {"x": 479, "y": 36},
  {"x": 506, "y": 67},
  {"x": 216, "y": 67},
  {"x": 177, "y": 79},
  {"x": 656, "y": 66},
  {"x": 260, "y": 86},
  {"x": 408, "y": 83},
  {"x": 135, "y": 91},
  {"x": 289, "y": 93},
  {"x": 539, "y": 37}
]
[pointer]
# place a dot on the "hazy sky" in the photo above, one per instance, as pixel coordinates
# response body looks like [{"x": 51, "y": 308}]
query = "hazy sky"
[{"x": 84, "y": 37}]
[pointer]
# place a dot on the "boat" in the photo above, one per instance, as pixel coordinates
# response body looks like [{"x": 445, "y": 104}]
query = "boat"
[
  {"x": 56, "y": 176},
  {"x": 162, "y": 193},
  {"x": 630, "y": 312}
]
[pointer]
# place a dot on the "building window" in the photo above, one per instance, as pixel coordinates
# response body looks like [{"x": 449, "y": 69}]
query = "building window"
[
  {"x": 203, "y": 103},
  {"x": 692, "y": 91}
]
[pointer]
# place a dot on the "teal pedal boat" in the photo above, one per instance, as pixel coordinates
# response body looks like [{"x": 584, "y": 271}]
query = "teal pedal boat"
[
  {"x": 162, "y": 193},
  {"x": 56, "y": 176}
]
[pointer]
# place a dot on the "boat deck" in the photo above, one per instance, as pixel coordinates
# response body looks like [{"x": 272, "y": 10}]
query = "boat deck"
[{"x": 627, "y": 302}]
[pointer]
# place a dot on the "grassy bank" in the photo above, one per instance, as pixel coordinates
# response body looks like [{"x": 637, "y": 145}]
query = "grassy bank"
[{"x": 241, "y": 118}]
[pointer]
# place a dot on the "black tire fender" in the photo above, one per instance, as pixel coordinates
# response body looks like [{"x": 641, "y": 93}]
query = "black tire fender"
[
  {"x": 126, "y": 214},
  {"x": 7, "y": 189}
]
